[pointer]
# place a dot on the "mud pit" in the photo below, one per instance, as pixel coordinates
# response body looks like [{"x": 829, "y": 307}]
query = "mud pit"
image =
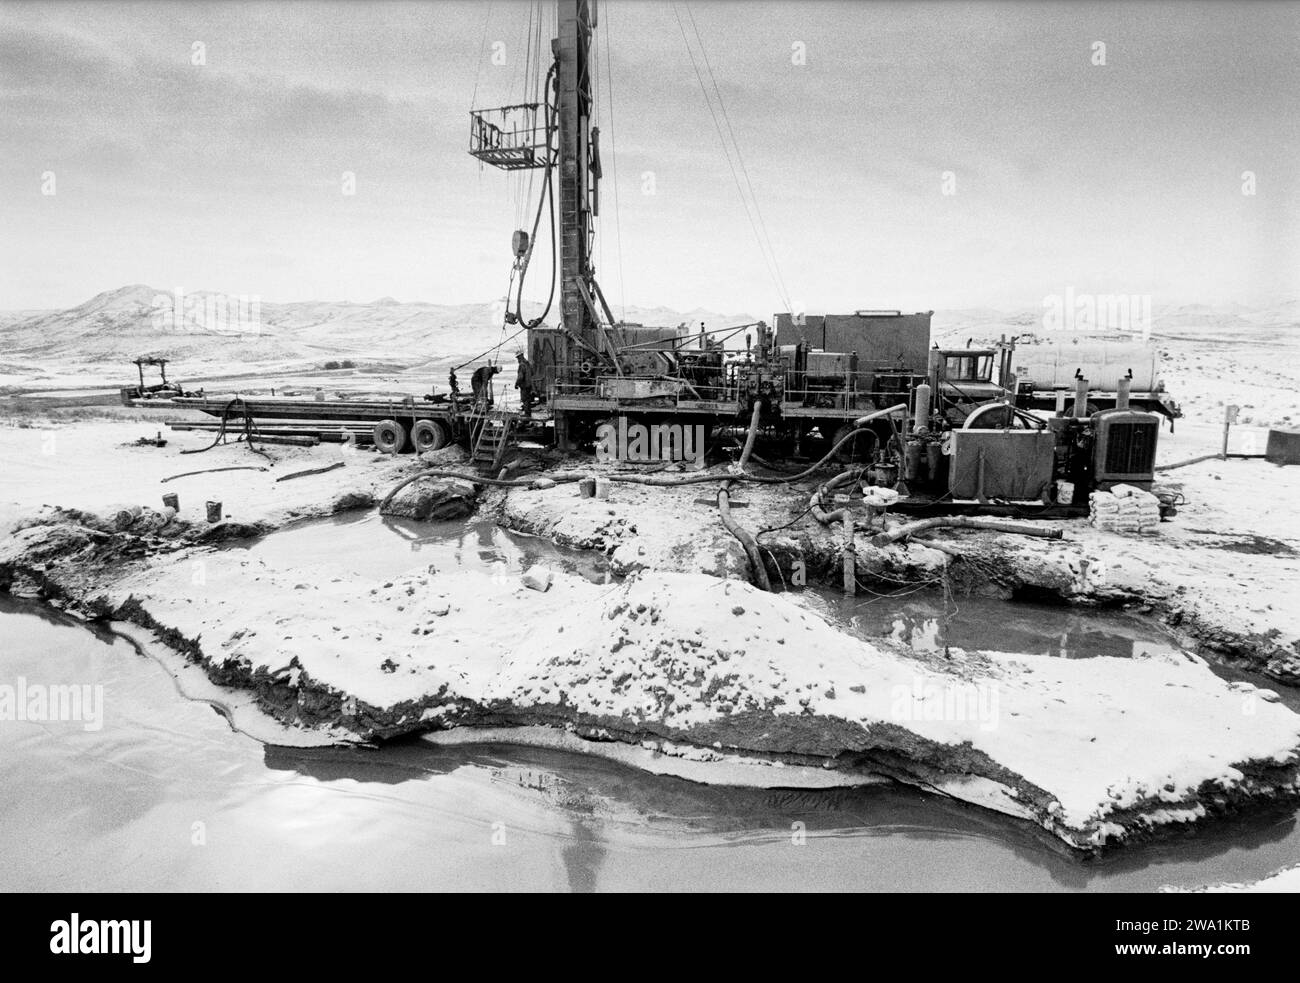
[{"x": 682, "y": 667}]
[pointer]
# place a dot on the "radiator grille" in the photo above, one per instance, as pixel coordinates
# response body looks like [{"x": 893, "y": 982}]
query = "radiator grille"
[{"x": 1129, "y": 448}]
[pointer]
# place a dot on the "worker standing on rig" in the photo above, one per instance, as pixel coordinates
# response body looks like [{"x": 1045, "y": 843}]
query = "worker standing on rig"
[
  {"x": 524, "y": 383},
  {"x": 481, "y": 381}
]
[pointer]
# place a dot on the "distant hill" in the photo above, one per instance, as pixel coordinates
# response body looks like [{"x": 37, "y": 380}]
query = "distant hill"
[
  {"x": 211, "y": 328},
  {"x": 208, "y": 327}
]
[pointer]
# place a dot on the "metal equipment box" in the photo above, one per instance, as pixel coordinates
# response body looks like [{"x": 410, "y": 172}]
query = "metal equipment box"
[
  {"x": 1009, "y": 464},
  {"x": 901, "y": 341},
  {"x": 829, "y": 365}
]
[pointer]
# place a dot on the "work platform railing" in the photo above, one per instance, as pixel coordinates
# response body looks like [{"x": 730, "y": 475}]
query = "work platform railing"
[
  {"x": 796, "y": 391},
  {"x": 862, "y": 390},
  {"x": 510, "y": 137}
]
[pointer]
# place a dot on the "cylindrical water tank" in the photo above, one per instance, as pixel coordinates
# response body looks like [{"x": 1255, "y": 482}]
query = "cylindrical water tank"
[{"x": 1053, "y": 366}]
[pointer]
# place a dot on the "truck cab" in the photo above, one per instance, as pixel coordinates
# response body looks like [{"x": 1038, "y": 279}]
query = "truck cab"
[{"x": 963, "y": 378}]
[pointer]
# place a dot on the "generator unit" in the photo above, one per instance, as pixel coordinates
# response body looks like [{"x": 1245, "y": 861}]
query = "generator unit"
[{"x": 1012, "y": 459}]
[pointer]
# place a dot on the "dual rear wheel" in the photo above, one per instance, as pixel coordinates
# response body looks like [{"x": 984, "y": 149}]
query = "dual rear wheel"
[{"x": 391, "y": 437}]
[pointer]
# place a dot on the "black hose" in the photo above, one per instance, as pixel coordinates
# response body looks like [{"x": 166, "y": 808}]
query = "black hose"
[
  {"x": 249, "y": 429},
  {"x": 547, "y": 197},
  {"x": 221, "y": 431},
  {"x": 743, "y": 535},
  {"x": 498, "y": 345}
]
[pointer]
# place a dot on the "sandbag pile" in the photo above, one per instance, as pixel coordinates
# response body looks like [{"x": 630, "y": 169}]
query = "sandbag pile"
[{"x": 1124, "y": 509}]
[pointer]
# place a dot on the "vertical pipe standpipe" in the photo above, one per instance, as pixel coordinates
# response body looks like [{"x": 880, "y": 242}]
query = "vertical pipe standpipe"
[{"x": 1121, "y": 394}]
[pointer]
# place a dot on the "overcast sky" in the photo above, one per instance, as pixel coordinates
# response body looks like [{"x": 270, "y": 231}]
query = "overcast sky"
[{"x": 1122, "y": 178}]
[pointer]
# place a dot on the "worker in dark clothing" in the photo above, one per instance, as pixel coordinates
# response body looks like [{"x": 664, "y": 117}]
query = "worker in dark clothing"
[
  {"x": 524, "y": 383},
  {"x": 455, "y": 385},
  {"x": 481, "y": 380}
]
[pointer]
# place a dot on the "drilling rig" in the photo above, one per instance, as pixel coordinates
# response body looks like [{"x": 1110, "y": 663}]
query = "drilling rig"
[
  {"x": 591, "y": 367},
  {"x": 871, "y": 375}
]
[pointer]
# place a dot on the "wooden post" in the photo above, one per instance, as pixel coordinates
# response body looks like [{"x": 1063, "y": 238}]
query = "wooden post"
[
  {"x": 1229, "y": 418},
  {"x": 850, "y": 558}
]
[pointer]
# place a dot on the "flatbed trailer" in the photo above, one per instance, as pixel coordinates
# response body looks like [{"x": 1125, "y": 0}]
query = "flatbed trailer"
[
  {"x": 398, "y": 422},
  {"x": 405, "y": 409}
]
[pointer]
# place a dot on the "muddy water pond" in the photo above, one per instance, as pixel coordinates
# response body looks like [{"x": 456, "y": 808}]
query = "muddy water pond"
[
  {"x": 162, "y": 794},
  {"x": 371, "y": 546},
  {"x": 927, "y": 620}
]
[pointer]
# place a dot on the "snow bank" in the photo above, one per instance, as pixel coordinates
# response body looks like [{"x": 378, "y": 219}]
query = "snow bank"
[{"x": 1093, "y": 749}]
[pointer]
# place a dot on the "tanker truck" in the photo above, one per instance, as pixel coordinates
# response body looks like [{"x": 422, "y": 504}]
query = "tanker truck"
[
  {"x": 1042, "y": 371},
  {"x": 1043, "y": 376}
]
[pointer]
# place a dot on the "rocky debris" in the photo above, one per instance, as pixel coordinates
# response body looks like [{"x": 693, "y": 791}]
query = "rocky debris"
[
  {"x": 36, "y": 545},
  {"x": 538, "y": 577},
  {"x": 351, "y": 500},
  {"x": 228, "y": 529},
  {"x": 434, "y": 500},
  {"x": 445, "y": 457}
]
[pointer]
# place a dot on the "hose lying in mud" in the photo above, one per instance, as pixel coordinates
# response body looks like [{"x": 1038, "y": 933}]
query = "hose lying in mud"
[
  {"x": 475, "y": 478},
  {"x": 845, "y": 518},
  {"x": 965, "y": 521},
  {"x": 1190, "y": 460},
  {"x": 638, "y": 479},
  {"x": 745, "y": 537},
  {"x": 240, "y": 467},
  {"x": 817, "y": 502},
  {"x": 310, "y": 471},
  {"x": 249, "y": 429}
]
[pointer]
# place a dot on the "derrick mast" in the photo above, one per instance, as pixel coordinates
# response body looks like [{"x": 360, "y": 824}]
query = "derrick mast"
[
  {"x": 579, "y": 172},
  {"x": 556, "y": 135}
]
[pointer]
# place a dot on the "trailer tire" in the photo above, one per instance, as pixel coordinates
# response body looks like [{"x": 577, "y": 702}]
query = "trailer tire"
[
  {"x": 390, "y": 437},
  {"x": 429, "y": 435}
]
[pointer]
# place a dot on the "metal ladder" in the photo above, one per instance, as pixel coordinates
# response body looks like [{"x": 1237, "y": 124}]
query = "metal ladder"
[{"x": 495, "y": 430}]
